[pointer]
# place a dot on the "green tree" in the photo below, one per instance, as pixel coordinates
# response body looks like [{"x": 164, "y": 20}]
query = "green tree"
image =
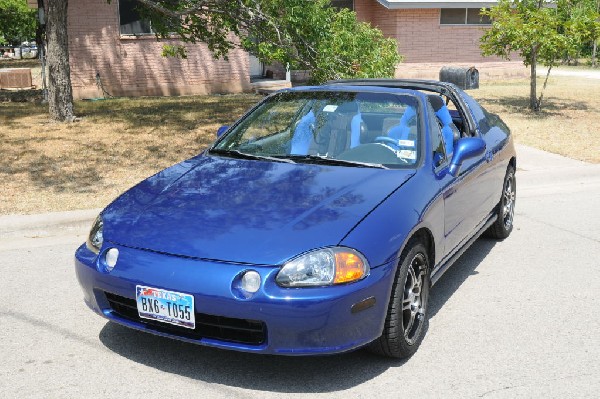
[
  {"x": 306, "y": 34},
  {"x": 581, "y": 21},
  {"x": 539, "y": 31},
  {"x": 17, "y": 22}
]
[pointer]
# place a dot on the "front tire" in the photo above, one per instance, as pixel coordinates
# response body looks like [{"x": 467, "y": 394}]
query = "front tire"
[
  {"x": 503, "y": 226},
  {"x": 407, "y": 320}
]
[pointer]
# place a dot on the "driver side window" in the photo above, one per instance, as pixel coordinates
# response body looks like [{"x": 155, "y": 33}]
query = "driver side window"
[{"x": 437, "y": 141}]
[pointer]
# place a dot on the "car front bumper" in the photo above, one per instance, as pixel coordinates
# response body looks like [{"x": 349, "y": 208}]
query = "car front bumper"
[{"x": 296, "y": 321}]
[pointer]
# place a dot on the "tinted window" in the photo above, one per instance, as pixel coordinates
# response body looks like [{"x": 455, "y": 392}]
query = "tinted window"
[
  {"x": 452, "y": 16},
  {"x": 463, "y": 16},
  {"x": 339, "y": 4},
  {"x": 474, "y": 17},
  {"x": 130, "y": 20},
  {"x": 479, "y": 113}
]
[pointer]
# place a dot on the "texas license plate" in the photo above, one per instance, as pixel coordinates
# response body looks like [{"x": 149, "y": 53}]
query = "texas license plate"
[{"x": 165, "y": 306}]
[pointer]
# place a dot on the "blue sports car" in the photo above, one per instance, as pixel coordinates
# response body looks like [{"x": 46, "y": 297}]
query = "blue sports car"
[{"x": 317, "y": 223}]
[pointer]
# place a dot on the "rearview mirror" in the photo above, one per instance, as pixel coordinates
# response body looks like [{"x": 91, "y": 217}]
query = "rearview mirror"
[
  {"x": 465, "y": 148},
  {"x": 222, "y": 130}
]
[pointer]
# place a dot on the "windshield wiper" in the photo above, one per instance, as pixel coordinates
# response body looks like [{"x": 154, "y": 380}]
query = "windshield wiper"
[
  {"x": 332, "y": 161},
  {"x": 242, "y": 155}
]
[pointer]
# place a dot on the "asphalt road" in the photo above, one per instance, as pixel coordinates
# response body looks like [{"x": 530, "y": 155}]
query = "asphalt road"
[{"x": 517, "y": 318}]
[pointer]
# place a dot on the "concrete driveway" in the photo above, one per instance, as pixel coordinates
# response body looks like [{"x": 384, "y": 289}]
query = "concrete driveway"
[
  {"x": 517, "y": 318},
  {"x": 586, "y": 73}
]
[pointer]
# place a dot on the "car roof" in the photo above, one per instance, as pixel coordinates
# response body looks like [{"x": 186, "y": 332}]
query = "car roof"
[
  {"x": 409, "y": 84},
  {"x": 356, "y": 88}
]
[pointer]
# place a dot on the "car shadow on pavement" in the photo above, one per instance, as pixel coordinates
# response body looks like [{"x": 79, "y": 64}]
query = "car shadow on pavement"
[
  {"x": 277, "y": 373},
  {"x": 458, "y": 273}
]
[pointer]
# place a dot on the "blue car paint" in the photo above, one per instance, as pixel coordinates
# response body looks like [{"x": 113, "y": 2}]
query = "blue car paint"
[
  {"x": 300, "y": 321},
  {"x": 374, "y": 211},
  {"x": 240, "y": 210}
]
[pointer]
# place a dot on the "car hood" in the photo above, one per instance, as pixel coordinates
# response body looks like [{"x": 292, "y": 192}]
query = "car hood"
[{"x": 246, "y": 211}]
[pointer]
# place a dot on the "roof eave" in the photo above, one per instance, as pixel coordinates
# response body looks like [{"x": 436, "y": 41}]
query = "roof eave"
[{"x": 395, "y": 5}]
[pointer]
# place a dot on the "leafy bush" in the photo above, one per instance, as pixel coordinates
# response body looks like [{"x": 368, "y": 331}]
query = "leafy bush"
[
  {"x": 354, "y": 49},
  {"x": 309, "y": 35},
  {"x": 17, "y": 22}
]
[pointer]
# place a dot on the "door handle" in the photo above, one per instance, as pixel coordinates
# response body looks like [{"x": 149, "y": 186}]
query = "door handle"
[{"x": 448, "y": 193}]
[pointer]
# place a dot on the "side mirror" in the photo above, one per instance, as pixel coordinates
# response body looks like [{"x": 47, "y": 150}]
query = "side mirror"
[
  {"x": 222, "y": 130},
  {"x": 465, "y": 148}
]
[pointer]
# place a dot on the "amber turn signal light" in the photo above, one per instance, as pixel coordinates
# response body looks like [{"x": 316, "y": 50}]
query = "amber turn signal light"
[{"x": 348, "y": 267}]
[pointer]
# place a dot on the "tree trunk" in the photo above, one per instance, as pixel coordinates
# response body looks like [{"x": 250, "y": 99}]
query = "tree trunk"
[
  {"x": 594, "y": 53},
  {"x": 533, "y": 105},
  {"x": 60, "y": 93}
]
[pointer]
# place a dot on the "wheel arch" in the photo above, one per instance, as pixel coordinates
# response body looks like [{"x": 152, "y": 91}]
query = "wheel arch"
[{"x": 424, "y": 235}]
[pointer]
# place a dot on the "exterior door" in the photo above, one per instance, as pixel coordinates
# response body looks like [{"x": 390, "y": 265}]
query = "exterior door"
[{"x": 256, "y": 67}]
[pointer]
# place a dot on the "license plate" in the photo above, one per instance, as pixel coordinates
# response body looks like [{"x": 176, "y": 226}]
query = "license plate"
[{"x": 165, "y": 306}]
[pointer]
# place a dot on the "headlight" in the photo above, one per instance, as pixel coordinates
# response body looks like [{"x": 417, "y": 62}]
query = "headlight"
[
  {"x": 95, "y": 239},
  {"x": 325, "y": 266}
]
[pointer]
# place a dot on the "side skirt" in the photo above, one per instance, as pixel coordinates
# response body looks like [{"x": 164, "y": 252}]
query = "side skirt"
[{"x": 443, "y": 267}]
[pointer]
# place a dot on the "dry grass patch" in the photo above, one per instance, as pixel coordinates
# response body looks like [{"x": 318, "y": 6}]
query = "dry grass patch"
[
  {"x": 568, "y": 123},
  {"x": 49, "y": 167}
]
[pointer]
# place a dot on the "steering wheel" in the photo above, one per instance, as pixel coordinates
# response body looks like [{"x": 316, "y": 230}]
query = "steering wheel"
[
  {"x": 387, "y": 140},
  {"x": 393, "y": 145},
  {"x": 393, "y": 142}
]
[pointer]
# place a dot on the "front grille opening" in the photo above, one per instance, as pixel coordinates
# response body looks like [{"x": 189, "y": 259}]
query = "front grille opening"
[{"x": 251, "y": 332}]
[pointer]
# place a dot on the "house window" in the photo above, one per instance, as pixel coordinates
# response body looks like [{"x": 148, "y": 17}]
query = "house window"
[
  {"x": 463, "y": 16},
  {"x": 339, "y": 4},
  {"x": 130, "y": 20}
]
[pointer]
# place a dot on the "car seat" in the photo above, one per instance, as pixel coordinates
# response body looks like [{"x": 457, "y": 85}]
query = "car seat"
[
  {"x": 303, "y": 134},
  {"x": 449, "y": 130},
  {"x": 402, "y": 130},
  {"x": 342, "y": 130}
]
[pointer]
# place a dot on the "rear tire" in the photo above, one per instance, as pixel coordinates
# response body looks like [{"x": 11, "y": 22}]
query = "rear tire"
[
  {"x": 407, "y": 320},
  {"x": 503, "y": 226}
]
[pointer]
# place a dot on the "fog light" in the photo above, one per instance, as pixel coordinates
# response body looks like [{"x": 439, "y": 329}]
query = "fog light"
[
  {"x": 110, "y": 258},
  {"x": 250, "y": 281}
]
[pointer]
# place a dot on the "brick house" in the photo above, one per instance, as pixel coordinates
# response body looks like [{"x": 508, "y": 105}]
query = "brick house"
[
  {"x": 434, "y": 33},
  {"x": 109, "y": 43}
]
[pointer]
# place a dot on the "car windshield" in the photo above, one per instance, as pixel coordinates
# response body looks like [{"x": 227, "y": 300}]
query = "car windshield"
[{"x": 334, "y": 127}]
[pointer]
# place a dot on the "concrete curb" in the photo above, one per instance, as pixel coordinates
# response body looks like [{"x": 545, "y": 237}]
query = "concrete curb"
[{"x": 11, "y": 223}]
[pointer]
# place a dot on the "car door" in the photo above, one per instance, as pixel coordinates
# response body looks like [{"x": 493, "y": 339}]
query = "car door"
[
  {"x": 464, "y": 207},
  {"x": 495, "y": 134}
]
